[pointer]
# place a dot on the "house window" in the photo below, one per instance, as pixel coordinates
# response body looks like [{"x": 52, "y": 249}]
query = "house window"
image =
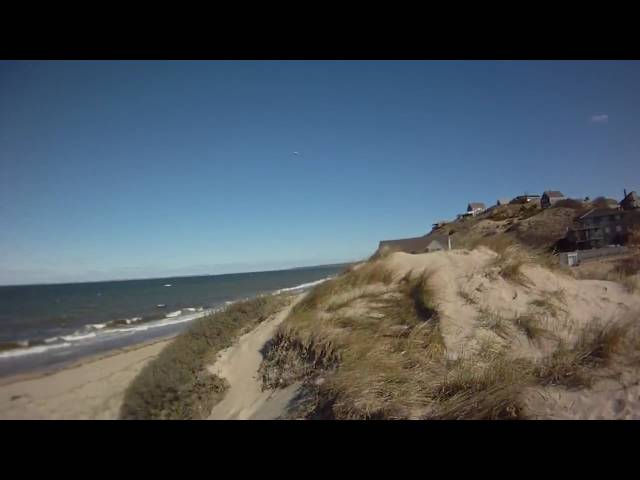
[
  {"x": 618, "y": 228},
  {"x": 617, "y": 217}
]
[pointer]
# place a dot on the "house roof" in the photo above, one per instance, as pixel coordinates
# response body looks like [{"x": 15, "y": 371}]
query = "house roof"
[
  {"x": 409, "y": 244},
  {"x": 601, "y": 212},
  {"x": 633, "y": 196},
  {"x": 553, "y": 194},
  {"x": 475, "y": 205},
  {"x": 416, "y": 244}
]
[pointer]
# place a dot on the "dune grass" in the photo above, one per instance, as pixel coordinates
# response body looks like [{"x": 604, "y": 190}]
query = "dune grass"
[
  {"x": 370, "y": 357},
  {"x": 491, "y": 320},
  {"x": 551, "y": 303},
  {"x": 509, "y": 262},
  {"x": 363, "y": 274},
  {"x": 176, "y": 384},
  {"x": 482, "y": 392},
  {"x": 597, "y": 346},
  {"x": 530, "y": 326}
]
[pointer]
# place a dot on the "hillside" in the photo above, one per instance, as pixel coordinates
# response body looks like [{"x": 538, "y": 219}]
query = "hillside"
[{"x": 530, "y": 225}]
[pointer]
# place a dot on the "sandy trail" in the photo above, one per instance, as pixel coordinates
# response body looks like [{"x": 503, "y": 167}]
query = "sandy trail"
[
  {"x": 239, "y": 365},
  {"x": 93, "y": 389}
]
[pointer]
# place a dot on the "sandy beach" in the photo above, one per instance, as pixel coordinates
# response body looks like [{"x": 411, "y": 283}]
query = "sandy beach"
[{"x": 90, "y": 389}]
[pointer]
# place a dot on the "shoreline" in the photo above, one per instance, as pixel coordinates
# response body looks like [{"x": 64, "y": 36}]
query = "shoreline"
[
  {"x": 91, "y": 339},
  {"x": 88, "y": 389},
  {"x": 46, "y": 371}
]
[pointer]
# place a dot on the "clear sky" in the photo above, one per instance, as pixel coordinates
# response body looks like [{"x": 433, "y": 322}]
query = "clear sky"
[{"x": 142, "y": 169}]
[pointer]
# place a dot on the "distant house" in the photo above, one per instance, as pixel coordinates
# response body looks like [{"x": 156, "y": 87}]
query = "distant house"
[
  {"x": 521, "y": 199},
  {"x": 502, "y": 201},
  {"x": 630, "y": 201},
  {"x": 424, "y": 244},
  {"x": 474, "y": 208},
  {"x": 551, "y": 197},
  {"x": 600, "y": 227}
]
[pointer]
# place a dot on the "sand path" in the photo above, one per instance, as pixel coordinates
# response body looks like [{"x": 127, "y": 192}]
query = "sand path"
[{"x": 239, "y": 364}]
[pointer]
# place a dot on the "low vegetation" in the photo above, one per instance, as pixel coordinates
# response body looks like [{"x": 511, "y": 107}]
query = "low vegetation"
[{"x": 177, "y": 384}]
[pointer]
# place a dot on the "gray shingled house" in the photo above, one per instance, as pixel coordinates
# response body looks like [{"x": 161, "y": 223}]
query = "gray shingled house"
[
  {"x": 630, "y": 201},
  {"x": 551, "y": 197},
  {"x": 598, "y": 228}
]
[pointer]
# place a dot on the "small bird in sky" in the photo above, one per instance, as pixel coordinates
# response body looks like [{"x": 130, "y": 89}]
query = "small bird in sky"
[{"x": 296, "y": 153}]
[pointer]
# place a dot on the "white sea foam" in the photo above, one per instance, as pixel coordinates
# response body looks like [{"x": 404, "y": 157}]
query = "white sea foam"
[
  {"x": 177, "y": 313},
  {"x": 20, "y": 352},
  {"x": 77, "y": 336},
  {"x": 302, "y": 286}
]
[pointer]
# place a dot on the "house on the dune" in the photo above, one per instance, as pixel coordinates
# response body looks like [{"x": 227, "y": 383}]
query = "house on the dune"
[
  {"x": 522, "y": 199},
  {"x": 631, "y": 201},
  {"x": 424, "y": 244},
  {"x": 551, "y": 197},
  {"x": 474, "y": 208}
]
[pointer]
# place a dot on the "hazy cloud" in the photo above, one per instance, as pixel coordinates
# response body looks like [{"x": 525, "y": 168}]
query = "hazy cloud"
[{"x": 602, "y": 118}]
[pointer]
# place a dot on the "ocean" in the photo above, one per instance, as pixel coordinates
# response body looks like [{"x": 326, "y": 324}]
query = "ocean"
[{"x": 46, "y": 326}]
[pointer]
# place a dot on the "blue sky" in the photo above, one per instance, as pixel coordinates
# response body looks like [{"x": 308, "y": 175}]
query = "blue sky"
[{"x": 142, "y": 169}]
